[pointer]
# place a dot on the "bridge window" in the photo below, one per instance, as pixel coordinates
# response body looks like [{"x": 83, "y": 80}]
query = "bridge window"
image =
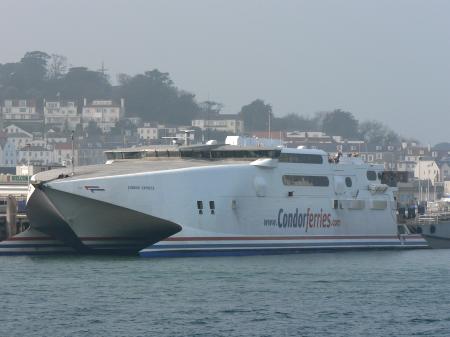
[
  {"x": 300, "y": 158},
  {"x": 371, "y": 175},
  {"x": 316, "y": 181}
]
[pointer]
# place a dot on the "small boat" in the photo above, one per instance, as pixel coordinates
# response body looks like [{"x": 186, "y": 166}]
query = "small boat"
[{"x": 435, "y": 229}]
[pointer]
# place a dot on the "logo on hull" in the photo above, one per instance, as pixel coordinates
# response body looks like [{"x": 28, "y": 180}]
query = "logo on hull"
[
  {"x": 94, "y": 188},
  {"x": 305, "y": 220}
]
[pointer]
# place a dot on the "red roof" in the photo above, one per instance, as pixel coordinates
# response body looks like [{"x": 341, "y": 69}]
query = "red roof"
[{"x": 63, "y": 146}]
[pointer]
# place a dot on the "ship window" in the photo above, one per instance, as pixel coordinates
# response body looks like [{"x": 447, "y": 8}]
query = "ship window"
[
  {"x": 300, "y": 158},
  {"x": 200, "y": 206},
  {"x": 294, "y": 180},
  {"x": 371, "y": 175},
  {"x": 212, "y": 207},
  {"x": 348, "y": 182}
]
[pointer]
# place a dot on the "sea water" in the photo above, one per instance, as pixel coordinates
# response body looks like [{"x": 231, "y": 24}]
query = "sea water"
[{"x": 357, "y": 293}]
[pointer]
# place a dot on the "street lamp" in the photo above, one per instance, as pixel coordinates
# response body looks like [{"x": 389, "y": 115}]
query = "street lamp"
[{"x": 73, "y": 153}]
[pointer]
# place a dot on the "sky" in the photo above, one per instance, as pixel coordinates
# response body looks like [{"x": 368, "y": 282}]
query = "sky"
[{"x": 379, "y": 59}]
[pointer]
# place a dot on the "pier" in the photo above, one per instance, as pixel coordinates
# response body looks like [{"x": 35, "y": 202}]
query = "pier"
[{"x": 13, "y": 194}]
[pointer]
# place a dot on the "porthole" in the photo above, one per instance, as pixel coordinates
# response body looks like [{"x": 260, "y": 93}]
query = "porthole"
[{"x": 348, "y": 182}]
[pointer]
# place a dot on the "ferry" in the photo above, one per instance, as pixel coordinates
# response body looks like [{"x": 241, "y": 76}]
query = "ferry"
[{"x": 216, "y": 200}]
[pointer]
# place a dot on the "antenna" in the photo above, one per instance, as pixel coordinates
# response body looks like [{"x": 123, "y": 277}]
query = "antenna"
[{"x": 103, "y": 70}]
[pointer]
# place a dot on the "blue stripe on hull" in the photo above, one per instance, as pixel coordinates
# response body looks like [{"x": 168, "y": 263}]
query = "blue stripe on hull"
[{"x": 264, "y": 249}]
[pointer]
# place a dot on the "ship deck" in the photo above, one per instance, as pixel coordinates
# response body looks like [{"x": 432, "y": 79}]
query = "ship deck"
[{"x": 122, "y": 167}]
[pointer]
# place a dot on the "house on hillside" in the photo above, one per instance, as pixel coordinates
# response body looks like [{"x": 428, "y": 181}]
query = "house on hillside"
[
  {"x": 221, "y": 122},
  {"x": 106, "y": 113},
  {"x": 61, "y": 114},
  {"x": 20, "y": 109}
]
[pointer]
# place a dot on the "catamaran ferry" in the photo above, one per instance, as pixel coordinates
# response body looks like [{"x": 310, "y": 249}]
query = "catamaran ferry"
[{"x": 215, "y": 200}]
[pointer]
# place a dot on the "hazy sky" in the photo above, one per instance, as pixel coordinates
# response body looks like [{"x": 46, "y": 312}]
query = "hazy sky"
[{"x": 383, "y": 59}]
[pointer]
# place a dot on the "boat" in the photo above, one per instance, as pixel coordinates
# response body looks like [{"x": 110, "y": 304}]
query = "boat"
[
  {"x": 217, "y": 200},
  {"x": 434, "y": 224}
]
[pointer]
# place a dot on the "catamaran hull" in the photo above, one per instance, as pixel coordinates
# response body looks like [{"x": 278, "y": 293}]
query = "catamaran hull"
[{"x": 94, "y": 227}]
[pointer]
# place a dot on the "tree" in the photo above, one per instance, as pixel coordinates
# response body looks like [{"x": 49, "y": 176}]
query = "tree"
[
  {"x": 57, "y": 67},
  {"x": 122, "y": 126},
  {"x": 374, "y": 132},
  {"x": 34, "y": 68},
  {"x": 80, "y": 82},
  {"x": 210, "y": 108},
  {"x": 153, "y": 97},
  {"x": 92, "y": 130},
  {"x": 340, "y": 123},
  {"x": 293, "y": 122},
  {"x": 256, "y": 115}
]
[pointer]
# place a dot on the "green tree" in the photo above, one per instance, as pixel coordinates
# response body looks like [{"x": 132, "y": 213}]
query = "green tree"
[
  {"x": 256, "y": 115},
  {"x": 374, "y": 132},
  {"x": 92, "y": 130},
  {"x": 153, "y": 97},
  {"x": 340, "y": 123},
  {"x": 293, "y": 122},
  {"x": 80, "y": 82}
]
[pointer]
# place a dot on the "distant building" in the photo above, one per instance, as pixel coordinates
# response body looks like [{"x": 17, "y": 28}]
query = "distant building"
[
  {"x": 253, "y": 141},
  {"x": 36, "y": 155},
  {"x": 105, "y": 113},
  {"x": 444, "y": 166},
  {"x": 427, "y": 169},
  {"x": 19, "y": 109},
  {"x": 90, "y": 153},
  {"x": 148, "y": 131},
  {"x": 221, "y": 122},
  {"x": 53, "y": 136},
  {"x": 13, "y": 128},
  {"x": 61, "y": 114},
  {"x": 62, "y": 154},
  {"x": 11, "y": 143}
]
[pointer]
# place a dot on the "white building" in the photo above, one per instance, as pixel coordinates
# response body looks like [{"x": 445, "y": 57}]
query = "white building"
[
  {"x": 427, "y": 170},
  {"x": 103, "y": 112},
  {"x": 12, "y": 143},
  {"x": 36, "y": 155},
  {"x": 406, "y": 166},
  {"x": 148, "y": 131},
  {"x": 62, "y": 114},
  {"x": 19, "y": 109},
  {"x": 55, "y": 137},
  {"x": 221, "y": 122},
  {"x": 253, "y": 141},
  {"x": 62, "y": 154},
  {"x": 12, "y": 128}
]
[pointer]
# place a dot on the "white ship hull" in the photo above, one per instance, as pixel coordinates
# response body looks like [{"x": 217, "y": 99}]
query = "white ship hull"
[{"x": 191, "y": 208}]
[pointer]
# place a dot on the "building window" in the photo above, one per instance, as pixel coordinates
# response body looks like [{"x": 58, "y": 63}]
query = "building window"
[{"x": 294, "y": 180}]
